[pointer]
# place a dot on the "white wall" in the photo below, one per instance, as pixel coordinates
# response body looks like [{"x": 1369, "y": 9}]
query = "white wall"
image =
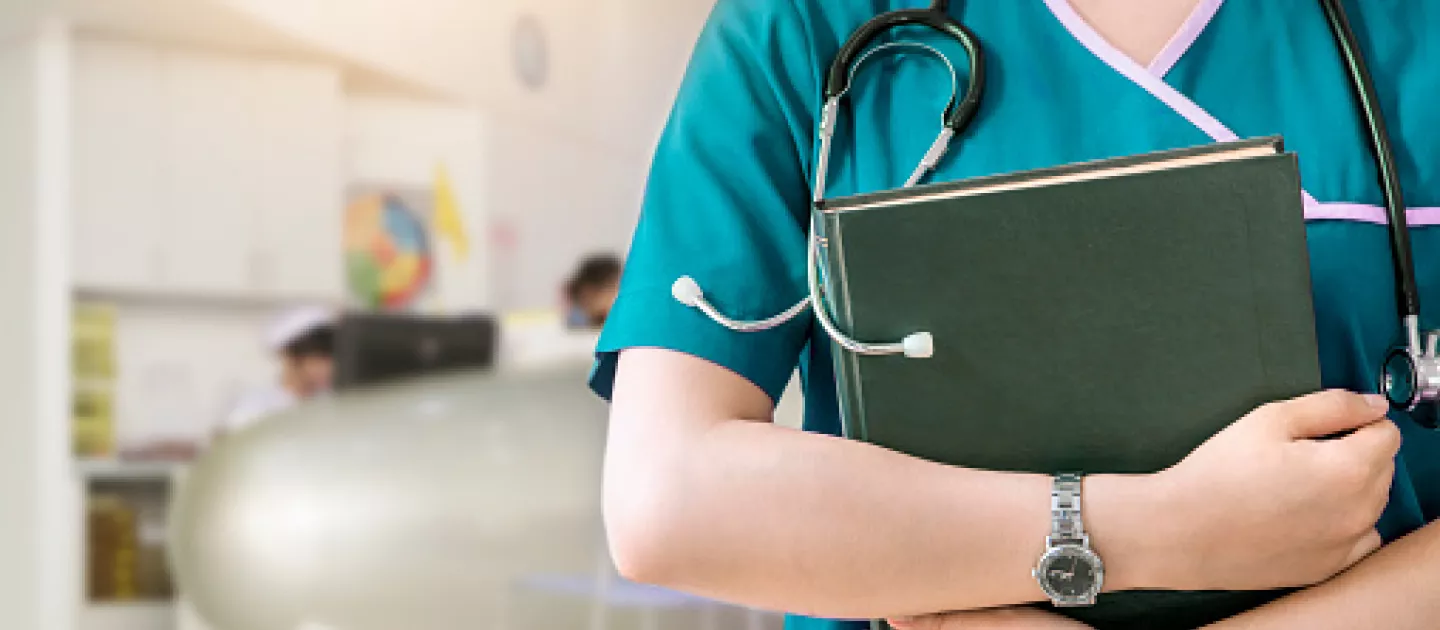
[
  {"x": 183, "y": 366},
  {"x": 18, "y": 457},
  {"x": 17, "y": 18},
  {"x": 560, "y": 198},
  {"x": 39, "y": 505}
]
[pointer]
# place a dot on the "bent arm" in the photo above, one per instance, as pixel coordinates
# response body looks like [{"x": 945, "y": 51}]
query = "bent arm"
[
  {"x": 703, "y": 493},
  {"x": 1391, "y": 590}
]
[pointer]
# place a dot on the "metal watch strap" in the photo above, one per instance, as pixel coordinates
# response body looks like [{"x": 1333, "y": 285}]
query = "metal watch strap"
[{"x": 1065, "y": 521}]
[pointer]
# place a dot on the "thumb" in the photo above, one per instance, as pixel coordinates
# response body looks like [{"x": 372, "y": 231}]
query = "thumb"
[{"x": 1331, "y": 412}]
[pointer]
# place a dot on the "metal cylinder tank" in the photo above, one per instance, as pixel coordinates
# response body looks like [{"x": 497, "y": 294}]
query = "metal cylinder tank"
[{"x": 461, "y": 502}]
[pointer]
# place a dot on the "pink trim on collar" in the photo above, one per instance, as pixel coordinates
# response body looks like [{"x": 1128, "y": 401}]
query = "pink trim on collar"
[
  {"x": 1122, "y": 63},
  {"x": 1184, "y": 38},
  {"x": 1368, "y": 214}
]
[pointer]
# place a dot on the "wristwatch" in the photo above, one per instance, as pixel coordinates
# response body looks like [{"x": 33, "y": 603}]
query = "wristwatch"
[{"x": 1070, "y": 572}]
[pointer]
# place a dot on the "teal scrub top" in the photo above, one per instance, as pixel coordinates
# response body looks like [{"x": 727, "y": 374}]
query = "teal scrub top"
[{"x": 728, "y": 193}]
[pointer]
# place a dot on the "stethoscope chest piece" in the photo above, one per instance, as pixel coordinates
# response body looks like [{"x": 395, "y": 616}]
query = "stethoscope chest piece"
[{"x": 1412, "y": 384}]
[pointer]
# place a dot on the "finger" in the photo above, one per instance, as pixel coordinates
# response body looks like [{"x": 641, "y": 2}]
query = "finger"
[
  {"x": 1330, "y": 412},
  {"x": 1377, "y": 442},
  {"x": 1364, "y": 547}
]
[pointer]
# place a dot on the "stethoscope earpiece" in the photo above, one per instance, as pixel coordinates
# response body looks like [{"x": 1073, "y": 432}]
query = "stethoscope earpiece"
[
  {"x": 919, "y": 345},
  {"x": 687, "y": 291}
]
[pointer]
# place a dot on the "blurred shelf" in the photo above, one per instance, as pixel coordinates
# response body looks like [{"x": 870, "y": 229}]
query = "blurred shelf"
[
  {"x": 118, "y": 470},
  {"x": 140, "y": 615},
  {"x": 256, "y": 300}
]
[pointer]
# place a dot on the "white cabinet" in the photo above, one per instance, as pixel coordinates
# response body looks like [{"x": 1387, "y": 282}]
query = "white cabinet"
[
  {"x": 210, "y": 156},
  {"x": 298, "y": 248},
  {"x": 206, "y": 174},
  {"x": 117, "y": 167}
]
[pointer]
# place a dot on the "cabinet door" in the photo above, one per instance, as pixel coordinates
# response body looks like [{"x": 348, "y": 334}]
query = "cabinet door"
[
  {"x": 211, "y": 168},
  {"x": 297, "y": 250},
  {"x": 117, "y": 148}
]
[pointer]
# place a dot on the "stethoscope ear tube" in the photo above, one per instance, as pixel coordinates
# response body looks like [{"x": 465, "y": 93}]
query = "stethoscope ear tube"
[
  {"x": 1384, "y": 154},
  {"x": 959, "y": 111},
  {"x": 963, "y": 106}
]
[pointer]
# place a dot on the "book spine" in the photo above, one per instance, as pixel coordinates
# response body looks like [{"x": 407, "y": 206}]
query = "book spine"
[{"x": 847, "y": 377}]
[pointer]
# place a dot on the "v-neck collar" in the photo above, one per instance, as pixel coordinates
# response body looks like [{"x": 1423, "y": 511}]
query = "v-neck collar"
[
  {"x": 1179, "y": 43},
  {"x": 1183, "y": 39},
  {"x": 1103, "y": 50}
]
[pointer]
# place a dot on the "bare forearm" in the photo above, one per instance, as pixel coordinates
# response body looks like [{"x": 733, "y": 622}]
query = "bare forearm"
[
  {"x": 704, "y": 494},
  {"x": 1391, "y": 590},
  {"x": 775, "y": 518}
]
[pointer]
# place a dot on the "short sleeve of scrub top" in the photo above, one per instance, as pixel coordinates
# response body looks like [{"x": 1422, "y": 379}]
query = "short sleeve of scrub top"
[{"x": 726, "y": 205}]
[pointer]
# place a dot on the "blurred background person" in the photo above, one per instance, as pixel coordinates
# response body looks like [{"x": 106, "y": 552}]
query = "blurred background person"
[
  {"x": 591, "y": 292},
  {"x": 303, "y": 342}
]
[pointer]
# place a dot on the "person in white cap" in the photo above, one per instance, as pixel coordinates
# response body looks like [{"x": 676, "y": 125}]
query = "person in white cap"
[{"x": 303, "y": 341}]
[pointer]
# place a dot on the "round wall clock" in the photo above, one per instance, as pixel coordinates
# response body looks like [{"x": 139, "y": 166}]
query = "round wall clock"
[{"x": 531, "y": 50}]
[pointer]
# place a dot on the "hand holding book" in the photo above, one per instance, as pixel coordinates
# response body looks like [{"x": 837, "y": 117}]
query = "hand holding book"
[{"x": 1266, "y": 503}]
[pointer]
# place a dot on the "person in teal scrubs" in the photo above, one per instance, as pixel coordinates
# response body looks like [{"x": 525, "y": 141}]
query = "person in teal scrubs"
[{"x": 704, "y": 493}]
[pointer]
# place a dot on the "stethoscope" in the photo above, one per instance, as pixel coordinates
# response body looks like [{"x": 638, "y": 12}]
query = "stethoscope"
[{"x": 1410, "y": 375}]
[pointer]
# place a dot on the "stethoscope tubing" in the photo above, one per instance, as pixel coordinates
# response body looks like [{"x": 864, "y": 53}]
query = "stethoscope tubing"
[{"x": 1384, "y": 153}]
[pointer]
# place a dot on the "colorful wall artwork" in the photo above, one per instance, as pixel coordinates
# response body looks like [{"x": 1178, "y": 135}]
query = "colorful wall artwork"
[{"x": 389, "y": 257}]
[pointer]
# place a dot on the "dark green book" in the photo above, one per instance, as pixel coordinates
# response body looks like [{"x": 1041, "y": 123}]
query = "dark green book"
[{"x": 1105, "y": 317}]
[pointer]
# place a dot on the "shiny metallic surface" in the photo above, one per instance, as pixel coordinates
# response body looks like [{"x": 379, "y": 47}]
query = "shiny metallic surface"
[
  {"x": 1427, "y": 372},
  {"x": 464, "y": 502}
]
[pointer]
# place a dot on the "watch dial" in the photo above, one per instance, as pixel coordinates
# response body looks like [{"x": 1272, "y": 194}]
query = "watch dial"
[{"x": 1070, "y": 574}]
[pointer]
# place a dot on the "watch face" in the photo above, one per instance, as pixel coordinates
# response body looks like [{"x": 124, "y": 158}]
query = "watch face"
[{"x": 1070, "y": 573}]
